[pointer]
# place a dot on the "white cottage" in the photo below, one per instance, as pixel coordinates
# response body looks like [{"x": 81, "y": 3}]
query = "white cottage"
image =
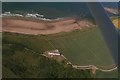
[{"x": 54, "y": 53}]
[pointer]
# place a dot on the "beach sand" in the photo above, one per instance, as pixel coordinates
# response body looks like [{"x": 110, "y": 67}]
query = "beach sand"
[{"x": 35, "y": 26}]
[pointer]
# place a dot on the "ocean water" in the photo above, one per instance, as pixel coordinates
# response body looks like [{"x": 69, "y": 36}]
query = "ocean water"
[
  {"x": 52, "y": 10},
  {"x": 111, "y": 4}
]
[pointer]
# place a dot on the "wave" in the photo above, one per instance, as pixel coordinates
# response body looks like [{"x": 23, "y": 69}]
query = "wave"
[
  {"x": 10, "y": 14},
  {"x": 28, "y": 15},
  {"x": 35, "y": 15}
]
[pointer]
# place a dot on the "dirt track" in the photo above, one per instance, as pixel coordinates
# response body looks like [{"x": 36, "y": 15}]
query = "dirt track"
[{"x": 32, "y": 26}]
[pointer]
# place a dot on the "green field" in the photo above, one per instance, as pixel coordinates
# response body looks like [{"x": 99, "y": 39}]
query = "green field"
[
  {"x": 113, "y": 74},
  {"x": 19, "y": 62},
  {"x": 81, "y": 47},
  {"x": 85, "y": 47}
]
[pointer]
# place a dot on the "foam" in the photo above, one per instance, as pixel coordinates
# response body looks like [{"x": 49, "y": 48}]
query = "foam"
[{"x": 32, "y": 15}]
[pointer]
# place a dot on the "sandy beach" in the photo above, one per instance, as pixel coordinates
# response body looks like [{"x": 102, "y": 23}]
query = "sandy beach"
[{"x": 35, "y": 26}]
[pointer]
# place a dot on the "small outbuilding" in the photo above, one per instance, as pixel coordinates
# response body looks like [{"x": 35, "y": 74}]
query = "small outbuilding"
[{"x": 54, "y": 53}]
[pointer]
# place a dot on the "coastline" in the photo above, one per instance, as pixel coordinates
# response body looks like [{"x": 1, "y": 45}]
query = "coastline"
[{"x": 35, "y": 26}]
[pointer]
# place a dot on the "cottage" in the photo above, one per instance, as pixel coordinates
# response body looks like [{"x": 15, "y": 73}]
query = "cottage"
[{"x": 54, "y": 53}]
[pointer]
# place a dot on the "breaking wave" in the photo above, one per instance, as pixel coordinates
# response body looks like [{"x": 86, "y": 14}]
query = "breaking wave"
[{"x": 27, "y": 15}]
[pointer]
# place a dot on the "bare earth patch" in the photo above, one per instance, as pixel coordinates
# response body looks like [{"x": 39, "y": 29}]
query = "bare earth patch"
[{"x": 35, "y": 26}]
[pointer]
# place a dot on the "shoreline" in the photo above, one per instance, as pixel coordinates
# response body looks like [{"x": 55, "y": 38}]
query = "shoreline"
[{"x": 35, "y": 26}]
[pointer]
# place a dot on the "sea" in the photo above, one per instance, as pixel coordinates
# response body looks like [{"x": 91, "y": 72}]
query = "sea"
[{"x": 52, "y": 10}]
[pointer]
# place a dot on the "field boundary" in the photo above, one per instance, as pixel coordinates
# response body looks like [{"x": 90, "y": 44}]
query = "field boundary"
[
  {"x": 90, "y": 67},
  {"x": 94, "y": 67}
]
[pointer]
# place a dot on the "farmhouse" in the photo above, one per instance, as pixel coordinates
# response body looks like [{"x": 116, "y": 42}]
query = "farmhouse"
[{"x": 54, "y": 53}]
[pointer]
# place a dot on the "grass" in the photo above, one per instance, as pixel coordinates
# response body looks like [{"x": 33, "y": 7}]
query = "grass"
[
  {"x": 8, "y": 73},
  {"x": 84, "y": 47},
  {"x": 113, "y": 74},
  {"x": 36, "y": 43},
  {"x": 81, "y": 47},
  {"x": 28, "y": 63}
]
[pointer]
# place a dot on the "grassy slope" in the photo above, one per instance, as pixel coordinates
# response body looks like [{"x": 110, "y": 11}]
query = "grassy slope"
[
  {"x": 8, "y": 73},
  {"x": 36, "y": 43},
  {"x": 21, "y": 62},
  {"x": 84, "y": 48},
  {"x": 80, "y": 47},
  {"x": 113, "y": 74}
]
